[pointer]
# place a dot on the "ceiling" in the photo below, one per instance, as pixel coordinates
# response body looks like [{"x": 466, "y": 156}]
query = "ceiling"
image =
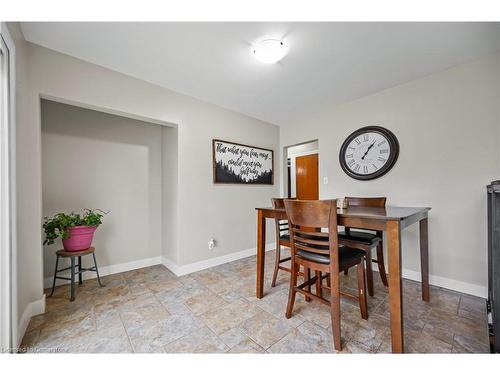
[{"x": 328, "y": 63}]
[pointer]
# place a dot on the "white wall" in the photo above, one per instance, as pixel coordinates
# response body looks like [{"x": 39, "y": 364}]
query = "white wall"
[
  {"x": 170, "y": 210},
  {"x": 223, "y": 212},
  {"x": 28, "y": 186},
  {"x": 447, "y": 126},
  {"x": 92, "y": 159}
]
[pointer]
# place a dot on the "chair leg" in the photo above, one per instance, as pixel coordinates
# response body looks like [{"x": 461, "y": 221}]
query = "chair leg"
[
  {"x": 335, "y": 309},
  {"x": 346, "y": 272},
  {"x": 363, "y": 307},
  {"x": 292, "y": 292},
  {"x": 319, "y": 289},
  {"x": 55, "y": 274},
  {"x": 307, "y": 277},
  {"x": 97, "y": 271},
  {"x": 381, "y": 263},
  {"x": 369, "y": 272},
  {"x": 276, "y": 265}
]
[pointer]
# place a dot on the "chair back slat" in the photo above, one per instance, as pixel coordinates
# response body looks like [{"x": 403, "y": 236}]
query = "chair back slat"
[
  {"x": 309, "y": 213},
  {"x": 309, "y": 233},
  {"x": 307, "y": 219},
  {"x": 281, "y": 225},
  {"x": 318, "y": 241},
  {"x": 317, "y": 250},
  {"x": 366, "y": 202}
]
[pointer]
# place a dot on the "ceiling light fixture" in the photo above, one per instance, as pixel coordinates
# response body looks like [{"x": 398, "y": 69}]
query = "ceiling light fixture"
[{"x": 269, "y": 51}]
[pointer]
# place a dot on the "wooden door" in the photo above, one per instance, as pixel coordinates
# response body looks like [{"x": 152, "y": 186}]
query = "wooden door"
[{"x": 307, "y": 177}]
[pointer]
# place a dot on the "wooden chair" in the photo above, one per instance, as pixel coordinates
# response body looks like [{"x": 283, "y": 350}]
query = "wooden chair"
[
  {"x": 366, "y": 241},
  {"x": 319, "y": 251},
  {"x": 282, "y": 239}
]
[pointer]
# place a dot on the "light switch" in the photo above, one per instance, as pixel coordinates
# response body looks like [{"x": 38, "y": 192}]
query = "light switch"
[{"x": 325, "y": 180}]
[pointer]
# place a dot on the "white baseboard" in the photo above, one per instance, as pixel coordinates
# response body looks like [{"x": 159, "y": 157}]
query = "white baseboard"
[
  {"x": 34, "y": 308},
  {"x": 212, "y": 262},
  {"x": 108, "y": 270},
  {"x": 444, "y": 282}
]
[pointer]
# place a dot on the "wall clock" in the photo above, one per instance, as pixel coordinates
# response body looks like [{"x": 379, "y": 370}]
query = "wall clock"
[{"x": 369, "y": 153}]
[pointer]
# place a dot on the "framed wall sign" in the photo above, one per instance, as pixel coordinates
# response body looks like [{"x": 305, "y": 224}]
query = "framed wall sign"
[{"x": 234, "y": 163}]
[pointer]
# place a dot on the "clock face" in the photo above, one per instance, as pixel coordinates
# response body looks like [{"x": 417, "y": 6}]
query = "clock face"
[{"x": 369, "y": 153}]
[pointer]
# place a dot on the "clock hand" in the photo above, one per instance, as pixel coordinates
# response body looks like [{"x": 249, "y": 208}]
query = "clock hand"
[{"x": 369, "y": 147}]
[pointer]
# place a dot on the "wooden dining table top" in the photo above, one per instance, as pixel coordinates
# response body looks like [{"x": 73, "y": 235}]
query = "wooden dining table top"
[{"x": 380, "y": 213}]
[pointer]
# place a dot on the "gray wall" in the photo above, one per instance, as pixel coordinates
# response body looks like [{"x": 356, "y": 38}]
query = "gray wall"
[
  {"x": 92, "y": 159},
  {"x": 447, "y": 125},
  {"x": 224, "y": 212}
]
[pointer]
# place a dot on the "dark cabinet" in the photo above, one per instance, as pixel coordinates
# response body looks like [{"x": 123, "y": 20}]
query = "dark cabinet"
[{"x": 494, "y": 265}]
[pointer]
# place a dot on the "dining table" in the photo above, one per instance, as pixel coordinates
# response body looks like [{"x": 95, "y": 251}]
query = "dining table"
[{"x": 390, "y": 219}]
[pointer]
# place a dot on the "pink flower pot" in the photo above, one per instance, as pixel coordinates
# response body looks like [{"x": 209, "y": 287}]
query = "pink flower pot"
[{"x": 80, "y": 238}]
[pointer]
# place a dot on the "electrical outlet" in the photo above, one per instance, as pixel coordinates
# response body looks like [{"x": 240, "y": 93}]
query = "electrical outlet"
[
  {"x": 211, "y": 244},
  {"x": 325, "y": 180}
]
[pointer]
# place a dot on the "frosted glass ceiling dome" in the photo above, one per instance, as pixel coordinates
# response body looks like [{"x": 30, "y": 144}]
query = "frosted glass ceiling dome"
[{"x": 269, "y": 51}]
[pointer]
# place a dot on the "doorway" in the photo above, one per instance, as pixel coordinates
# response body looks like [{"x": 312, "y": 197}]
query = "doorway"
[{"x": 302, "y": 172}]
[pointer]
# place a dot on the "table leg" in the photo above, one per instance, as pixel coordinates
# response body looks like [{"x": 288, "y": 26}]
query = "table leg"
[
  {"x": 261, "y": 253},
  {"x": 424, "y": 259},
  {"x": 395, "y": 285}
]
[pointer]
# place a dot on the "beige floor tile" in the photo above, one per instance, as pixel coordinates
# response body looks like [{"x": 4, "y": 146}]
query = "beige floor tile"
[
  {"x": 233, "y": 337},
  {"x": 201, "y": 341},
  {"x": 247, "y": 346},
  {"x": 152, "y": 337},
  {"x": 229, "y": 316},
  {"x": 306, "y": 338},
  {"x": 203, "y": 303},
  {"x": 111, "y": 339},
  {"x": 371, "y": 333},
  {"x": 140, "y": 315},
  {"x": 424, "y": 343},
  {"x": 265, "y": 329},
  {"x": 464, "y": 344},
  {"x": 152, "y": 310},
  {"x": 181, "y": 293},
  {"x": 353, "y": 347}
]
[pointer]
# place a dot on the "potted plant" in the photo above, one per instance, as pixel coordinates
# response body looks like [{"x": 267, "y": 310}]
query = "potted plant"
[{"x": 75, "y": 230}]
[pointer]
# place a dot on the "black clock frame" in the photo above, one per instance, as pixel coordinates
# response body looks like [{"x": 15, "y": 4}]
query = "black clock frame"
[{"x": 393, "y": 157}]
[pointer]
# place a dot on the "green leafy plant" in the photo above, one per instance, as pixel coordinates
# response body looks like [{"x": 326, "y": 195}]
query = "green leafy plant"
[{"x": 58, "y": 225}]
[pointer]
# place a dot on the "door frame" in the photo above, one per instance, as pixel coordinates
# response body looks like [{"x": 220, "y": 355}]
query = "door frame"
[
  {"x": 8, "y": 254},
  {"x": 292, "y": 167}
]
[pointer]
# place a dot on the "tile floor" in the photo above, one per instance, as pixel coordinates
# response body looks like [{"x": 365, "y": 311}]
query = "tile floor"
[{"x": 215, "y": 311}]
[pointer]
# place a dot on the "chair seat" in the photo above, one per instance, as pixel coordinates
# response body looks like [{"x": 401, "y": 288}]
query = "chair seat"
[
  {"x": 347, "y": 256},
  {"x": 364, "y": 237}
]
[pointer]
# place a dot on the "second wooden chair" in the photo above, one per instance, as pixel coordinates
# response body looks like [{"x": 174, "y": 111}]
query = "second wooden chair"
[
  {"x": 282, "y": 240},
  {"x": 366, "y": 241}
]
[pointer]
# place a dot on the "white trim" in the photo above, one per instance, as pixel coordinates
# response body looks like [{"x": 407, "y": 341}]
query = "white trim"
[
  {"x": 303, "y": 153},
  {"x": 34, "y": 308},
  {"x": 8, "y": 232},
  {"x": 109, "y": 270},
  {"x": 212, "y": 262},
  {"x": 444, "y": 282}
]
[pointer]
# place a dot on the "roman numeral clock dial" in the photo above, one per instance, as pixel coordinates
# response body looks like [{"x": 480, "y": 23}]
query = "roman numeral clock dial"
[{"x": 369, "y": 152}]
